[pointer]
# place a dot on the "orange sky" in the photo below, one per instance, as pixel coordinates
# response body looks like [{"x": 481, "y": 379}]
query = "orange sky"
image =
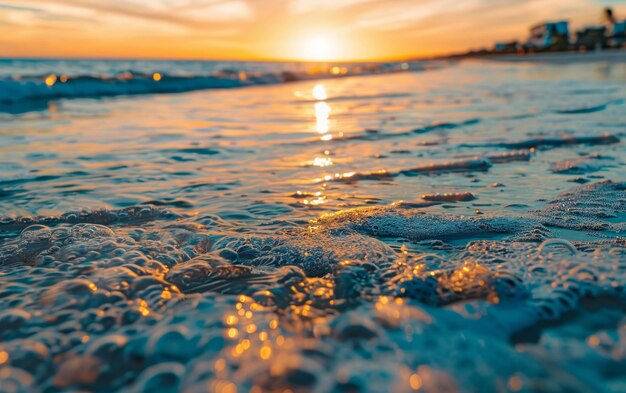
[{"x": 275, "y": 29}]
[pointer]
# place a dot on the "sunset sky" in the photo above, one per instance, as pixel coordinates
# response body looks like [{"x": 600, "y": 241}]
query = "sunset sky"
[{"x": 275, "y": 29}]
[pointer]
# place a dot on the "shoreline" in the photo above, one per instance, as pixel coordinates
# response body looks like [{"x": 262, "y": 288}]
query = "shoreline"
[{"x": 614, "y": 56}]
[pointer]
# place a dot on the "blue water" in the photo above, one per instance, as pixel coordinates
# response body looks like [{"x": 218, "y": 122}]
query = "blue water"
[{"x": 446, "y": 227}]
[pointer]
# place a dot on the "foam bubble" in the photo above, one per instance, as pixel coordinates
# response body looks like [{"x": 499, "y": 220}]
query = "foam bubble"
[
  {"x": 449, "y": 197},
  {"x": 587, "y": 207},
  {"x": 176, "y": 306},
  {"x": 581, "y": 165}
]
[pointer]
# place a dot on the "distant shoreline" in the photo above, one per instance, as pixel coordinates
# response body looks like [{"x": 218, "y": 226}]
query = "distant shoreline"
[{"x": 613, "y": 56}]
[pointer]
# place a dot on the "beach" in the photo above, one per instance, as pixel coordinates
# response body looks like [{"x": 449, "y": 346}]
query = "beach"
[
  {"x": 434, "y": 227},
  {"x": 606, "y": 56}
]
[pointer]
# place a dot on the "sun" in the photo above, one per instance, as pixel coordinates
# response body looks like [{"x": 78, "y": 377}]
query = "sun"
[{"x": 319, "y": 48}]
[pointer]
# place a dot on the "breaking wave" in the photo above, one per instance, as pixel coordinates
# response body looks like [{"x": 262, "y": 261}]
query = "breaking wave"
[{"x": 18, "y": 90}]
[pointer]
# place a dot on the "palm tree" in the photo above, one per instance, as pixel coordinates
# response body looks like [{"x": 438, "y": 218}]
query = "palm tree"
[{"x": 609, "y": 16}]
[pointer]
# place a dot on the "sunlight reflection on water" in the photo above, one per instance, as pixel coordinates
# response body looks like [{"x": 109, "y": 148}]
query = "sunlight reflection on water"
[{"x": 254, "y": 239}]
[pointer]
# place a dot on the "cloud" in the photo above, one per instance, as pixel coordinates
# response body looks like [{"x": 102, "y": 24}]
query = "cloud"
[
  {"x": 401, "y": 14},
  {"x": 9, "y": 7},
  {"x": 219, "y": 10},
  {"x": 304, "y": 6},
  {"x": 184, "y": 13}
]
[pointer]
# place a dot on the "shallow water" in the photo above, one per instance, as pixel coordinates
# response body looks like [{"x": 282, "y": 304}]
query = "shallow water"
[{"x": 456, "y": 229}]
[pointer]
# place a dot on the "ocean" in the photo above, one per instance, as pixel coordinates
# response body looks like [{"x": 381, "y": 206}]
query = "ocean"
[{"x": 250, "y": 227}]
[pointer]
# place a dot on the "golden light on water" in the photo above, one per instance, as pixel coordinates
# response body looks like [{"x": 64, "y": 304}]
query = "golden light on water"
[
  {"x": 593, "y": 341},
  {"x": 322, "y": 126},
  {"x": 515, "y": 383},
  {"x": 156, "y": 77},
  {"x": 143, "y": 307},
  {"x": 232, "y": 333},
  {"x": 322, "y": 115},
  {"x": 225, "y": 387},
  {"x": 231, "y": 319},
  {"x": 166, "y": 294},
  {"x": 319, "y": 92},
  {"x": 322, "y": 162},
  {"x": 336, "y": 70},
  {"x": 416, "y": 381},
  {"x": 50, "y": 80},
  {"x": 322, "y": 109},
  {"x": 265, "y": 352}
]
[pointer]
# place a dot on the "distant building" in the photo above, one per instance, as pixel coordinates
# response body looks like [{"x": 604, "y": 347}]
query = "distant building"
[
  {"x": 506, "y": 47},
  {"x": 590, "y": 38},
  {"x": 549, "y": 36},
  {"x": 554, "y": 36},
  {"x": 617, "y": 39}
]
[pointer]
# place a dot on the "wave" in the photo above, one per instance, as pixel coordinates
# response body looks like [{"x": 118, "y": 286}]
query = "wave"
[
  {"x": 132, "y": 214},
  {"x": 51, "y": 87},
  {"x": 553, "y": 142},
  {"x": 435, "y": 167},
  {"x": 582, "y": 165},
  {"x": 370, "y": 135},
  {"x": 35, "y": 89}
]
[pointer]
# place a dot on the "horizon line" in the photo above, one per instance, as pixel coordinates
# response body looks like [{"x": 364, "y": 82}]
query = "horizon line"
[{"x": 405, "y": 58}]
